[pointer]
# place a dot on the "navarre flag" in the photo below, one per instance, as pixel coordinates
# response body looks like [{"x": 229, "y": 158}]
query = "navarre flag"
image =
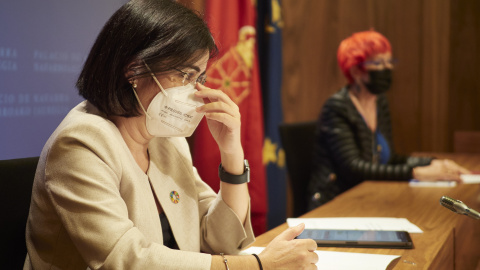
[
  {"x": 236, "y": 72},
  {"x": 269, "y": 27}
]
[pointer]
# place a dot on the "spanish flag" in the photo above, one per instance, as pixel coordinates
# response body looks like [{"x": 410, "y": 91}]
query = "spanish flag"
[{"x": 235, "y": 71}]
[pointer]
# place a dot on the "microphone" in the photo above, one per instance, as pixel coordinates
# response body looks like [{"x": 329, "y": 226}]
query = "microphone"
[{"x": 458, "y": 207}]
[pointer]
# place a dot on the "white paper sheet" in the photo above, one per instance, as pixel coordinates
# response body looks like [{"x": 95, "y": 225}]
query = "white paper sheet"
[
  {"x": 357, "y": 223},
  {"x": 470, "y": 178},
  {"x": 416, "y": 183},
  {"x": 333, "y": 260}
]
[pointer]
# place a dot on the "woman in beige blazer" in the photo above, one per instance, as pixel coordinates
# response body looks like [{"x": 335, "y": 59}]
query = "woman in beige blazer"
[{"x": 115, "y": 187}]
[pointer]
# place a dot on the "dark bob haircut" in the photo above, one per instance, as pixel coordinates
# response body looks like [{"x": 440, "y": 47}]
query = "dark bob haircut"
[{"x": 162, "y": 33}]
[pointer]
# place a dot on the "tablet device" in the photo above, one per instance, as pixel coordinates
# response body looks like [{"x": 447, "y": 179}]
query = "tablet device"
[{"x": 358, "y": 238}]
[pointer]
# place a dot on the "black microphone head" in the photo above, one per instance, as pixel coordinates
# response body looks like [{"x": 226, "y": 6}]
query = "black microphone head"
[{"x": 448, "y": 202}]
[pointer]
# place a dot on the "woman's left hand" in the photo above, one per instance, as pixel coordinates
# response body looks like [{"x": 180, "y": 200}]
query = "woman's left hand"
[{"x": 223, "y": 118}]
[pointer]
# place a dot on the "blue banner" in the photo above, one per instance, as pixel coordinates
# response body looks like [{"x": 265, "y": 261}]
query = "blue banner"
[{"x": 270, "y": 54}]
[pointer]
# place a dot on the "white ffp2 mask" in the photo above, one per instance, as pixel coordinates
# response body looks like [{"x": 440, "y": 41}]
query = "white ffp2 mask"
[{"x": 173, "y": 114}]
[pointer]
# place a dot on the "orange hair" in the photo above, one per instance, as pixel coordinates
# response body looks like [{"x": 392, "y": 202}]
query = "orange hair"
[{"x": 355, "y": 49}]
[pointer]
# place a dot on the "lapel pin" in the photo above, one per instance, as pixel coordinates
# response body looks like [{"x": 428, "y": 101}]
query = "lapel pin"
[{"x": 174, "y": 197}]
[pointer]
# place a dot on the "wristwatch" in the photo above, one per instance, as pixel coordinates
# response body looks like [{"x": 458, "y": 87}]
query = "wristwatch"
[{"x": 235, "y": 179}]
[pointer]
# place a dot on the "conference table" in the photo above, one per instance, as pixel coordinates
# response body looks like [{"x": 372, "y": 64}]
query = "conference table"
[{"x": 448, "y": 241}]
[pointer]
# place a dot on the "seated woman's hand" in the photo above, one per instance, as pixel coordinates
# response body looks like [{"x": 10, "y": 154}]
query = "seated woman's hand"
[
  {"x": 440, "y": 170},
  {"x": 223, "y": 118},
  {"x": 453, "y": 166},
  {"x": 285, "y": 252}
]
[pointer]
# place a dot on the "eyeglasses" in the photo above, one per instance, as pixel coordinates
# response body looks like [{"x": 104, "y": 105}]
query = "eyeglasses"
[
  {"x": 190, "y": 77},
  {"x": 380, "y": 63}
]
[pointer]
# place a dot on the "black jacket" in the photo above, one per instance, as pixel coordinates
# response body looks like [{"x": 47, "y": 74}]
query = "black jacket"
[{"x": 344, "y": 152}]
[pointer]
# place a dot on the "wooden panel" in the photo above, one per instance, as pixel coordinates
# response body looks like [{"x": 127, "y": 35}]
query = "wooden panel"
[
  {"x": 466, "y": 142},
  {"x": 446, "y": 254},
  {"x": 404, "y": 97},
  {"x": 464, "y": 69},
  {"x": 310, "y": 73},
  {"x": 435, "y": 79},
  {"x": 466, "y": 256}
]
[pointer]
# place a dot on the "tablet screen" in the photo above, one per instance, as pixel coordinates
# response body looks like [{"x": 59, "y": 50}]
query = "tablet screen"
[{"x": 353, "y": 238}]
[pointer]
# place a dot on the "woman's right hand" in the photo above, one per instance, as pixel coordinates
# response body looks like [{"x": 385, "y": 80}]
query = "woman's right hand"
[
  {"x": 440, "y": 170},
  {"x": 285, "y": 252}
]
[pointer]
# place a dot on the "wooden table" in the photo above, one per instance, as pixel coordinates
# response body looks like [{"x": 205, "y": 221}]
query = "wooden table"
[{"x": 448, "y": 241}]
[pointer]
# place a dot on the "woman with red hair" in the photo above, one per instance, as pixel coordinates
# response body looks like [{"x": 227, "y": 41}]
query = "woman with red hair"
[{"x": 354, "y": 138}]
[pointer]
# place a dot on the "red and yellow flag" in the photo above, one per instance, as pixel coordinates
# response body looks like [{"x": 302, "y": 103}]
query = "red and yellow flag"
[{"x": 236, "y": 72}]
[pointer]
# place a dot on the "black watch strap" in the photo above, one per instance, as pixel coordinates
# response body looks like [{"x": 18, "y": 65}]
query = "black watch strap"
[{"x": 235, "y": 179}]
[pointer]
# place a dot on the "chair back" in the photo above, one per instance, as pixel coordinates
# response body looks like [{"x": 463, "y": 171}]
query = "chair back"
[
  {"x": 16, "y": 181},
  {"x": 298, "y": 140},
  {"x": 466, "y": 142}
]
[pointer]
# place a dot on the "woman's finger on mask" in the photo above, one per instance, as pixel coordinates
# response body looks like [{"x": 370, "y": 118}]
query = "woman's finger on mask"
[{"x": 214, "y": 95}]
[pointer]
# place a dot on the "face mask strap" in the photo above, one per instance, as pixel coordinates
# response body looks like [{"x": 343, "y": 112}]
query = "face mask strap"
[
  {"x": 138, "y": 99},
  {"x": 155, "y": 78}
]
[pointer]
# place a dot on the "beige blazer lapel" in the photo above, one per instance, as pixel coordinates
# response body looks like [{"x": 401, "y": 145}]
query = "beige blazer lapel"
[{"x": 173, "y": 184}]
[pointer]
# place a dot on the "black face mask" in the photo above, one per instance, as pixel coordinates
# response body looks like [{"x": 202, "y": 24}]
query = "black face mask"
[{"x": 380, "y": 81}]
